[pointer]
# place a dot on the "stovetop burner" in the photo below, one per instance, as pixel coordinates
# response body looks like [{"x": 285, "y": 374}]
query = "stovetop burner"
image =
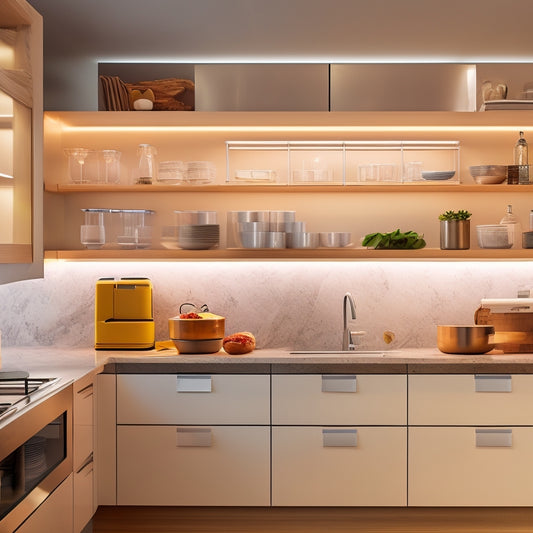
[{"x": 17, "y": 388}]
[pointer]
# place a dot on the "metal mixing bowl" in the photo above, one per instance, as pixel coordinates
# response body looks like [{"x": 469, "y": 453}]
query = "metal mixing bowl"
[{"x": 465, "y": 339}]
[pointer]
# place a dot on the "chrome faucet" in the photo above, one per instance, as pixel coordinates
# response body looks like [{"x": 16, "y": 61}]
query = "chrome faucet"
[{"x": 347, "y": 341}]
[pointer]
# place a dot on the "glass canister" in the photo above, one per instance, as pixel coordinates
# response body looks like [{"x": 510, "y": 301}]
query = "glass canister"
[
  {"x": 92, "y": 233},
  {"x": 133, "y": 228},
  {"x": 147, "y": 167}
]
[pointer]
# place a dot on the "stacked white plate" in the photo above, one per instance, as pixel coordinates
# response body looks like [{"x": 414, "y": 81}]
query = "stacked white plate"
[
  {"x": 198, "y": 236},
  {"x": 200, "y": 172},
  {"x": 34, "y": 458}
]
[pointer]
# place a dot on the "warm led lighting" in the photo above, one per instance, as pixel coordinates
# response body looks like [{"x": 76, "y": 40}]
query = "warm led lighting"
[
  {"x": 2, "y": 175},
  {"x": 288, "y": 129}
]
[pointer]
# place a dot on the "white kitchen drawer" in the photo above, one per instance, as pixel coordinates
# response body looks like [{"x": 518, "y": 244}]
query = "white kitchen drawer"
[
  {"x": 318, "y": 466},
  {"x": 84, "y": 507},
  {"x": 220, "y": 399},
  {"x": 437, "y": 400},
  {"x": 447, "y": 468},
  {"x": 362, "y": 399},
  {"x": 230, "y": 467}
]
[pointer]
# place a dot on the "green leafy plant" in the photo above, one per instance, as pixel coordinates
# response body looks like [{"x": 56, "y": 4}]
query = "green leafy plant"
[
  {"x": 455, "y": 215},
  {"x": 398, "y": 240}
]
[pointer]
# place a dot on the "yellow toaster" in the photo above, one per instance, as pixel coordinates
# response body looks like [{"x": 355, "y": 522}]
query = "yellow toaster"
[{"x": 123, "y": 314}]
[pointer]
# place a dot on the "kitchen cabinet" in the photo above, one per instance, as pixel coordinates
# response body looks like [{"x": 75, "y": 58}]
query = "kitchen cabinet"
[
  {"x": 54, "y": 514},
  {"x": 193, "y": 439},
  {"x": 21, "y": 123},
  {"x": 470, "y": 440},
  {"x": 484, "y": 138},
  {"x": 339, "y": 440},
  {"x": 83, "y": 453}
]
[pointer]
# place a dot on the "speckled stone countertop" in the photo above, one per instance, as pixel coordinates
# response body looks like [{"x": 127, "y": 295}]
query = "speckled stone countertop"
[{"x": 74, "y": 363}]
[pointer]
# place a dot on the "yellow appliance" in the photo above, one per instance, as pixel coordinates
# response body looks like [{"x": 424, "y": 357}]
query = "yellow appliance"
[{"x": 123, "y": 314}]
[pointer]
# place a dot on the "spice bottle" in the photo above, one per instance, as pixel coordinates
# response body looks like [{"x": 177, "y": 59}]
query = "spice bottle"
[
  {"x": 147, "y": 170},
  {"x": 520, "y": 151},
  {"x": 514, "y": 228}
]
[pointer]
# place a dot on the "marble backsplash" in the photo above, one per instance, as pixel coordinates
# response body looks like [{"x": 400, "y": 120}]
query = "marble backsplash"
[{"x": 295, "y": 305}]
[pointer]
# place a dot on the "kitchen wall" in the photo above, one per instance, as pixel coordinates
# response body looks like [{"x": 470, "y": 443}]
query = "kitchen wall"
[
  {"x": 286, "y": 304},
  {"x": 295, "y": 304}
]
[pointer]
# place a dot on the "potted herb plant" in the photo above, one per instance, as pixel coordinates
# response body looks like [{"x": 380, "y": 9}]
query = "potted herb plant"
[{"x": 455, "y": 230}]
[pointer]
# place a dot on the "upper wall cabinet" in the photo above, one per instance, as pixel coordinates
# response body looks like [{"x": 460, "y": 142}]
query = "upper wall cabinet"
[
  {"x": 403, "y": 87},
  {"x": 261, "y": 87},
  {"x": 21, "y": 255}
]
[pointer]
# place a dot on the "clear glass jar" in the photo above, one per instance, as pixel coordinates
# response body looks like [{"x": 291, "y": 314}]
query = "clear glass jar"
[
  {"x": 520, "y": 151},
  {"x": 147, "y": 169}
]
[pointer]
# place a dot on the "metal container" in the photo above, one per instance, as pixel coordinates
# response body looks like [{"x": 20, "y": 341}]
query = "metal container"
[
  {"x": 465, "y": 339},
  {"x": 455, "y": 234},
  {"x": 196, "y": 329}
]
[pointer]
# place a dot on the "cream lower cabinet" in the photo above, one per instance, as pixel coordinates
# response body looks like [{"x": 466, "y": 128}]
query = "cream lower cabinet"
[
  {"x": 470, "y": 440},
  {"x": 339, "y": 440},
  {"x": 193, "y": 439},
  {"x": 83, "y": 452},
  {"x": 339, "y": 466},
  {"x": 54, "y": 514}
]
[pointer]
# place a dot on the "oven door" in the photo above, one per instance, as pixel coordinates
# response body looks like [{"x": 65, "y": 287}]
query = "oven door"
[{"x": 35, "y": 456}]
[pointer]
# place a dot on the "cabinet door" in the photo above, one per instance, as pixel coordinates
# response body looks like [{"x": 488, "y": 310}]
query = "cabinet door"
[
  {"x": 193, "y": 399},
  {"x": 316, "y": 466},
  {"x": 468, "y": 466},
  {"x": 483, "y": 399},
  {"x": 339, "y": 399},
  {"x": 84, "y": 507},
  {"x": 54, "y": 514},
  {"x": 192, "y": 465},
  {"x": 21, "y": 123}
]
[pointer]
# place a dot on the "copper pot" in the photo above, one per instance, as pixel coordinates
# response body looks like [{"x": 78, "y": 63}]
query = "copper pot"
[{"x": 465, "y": 339}]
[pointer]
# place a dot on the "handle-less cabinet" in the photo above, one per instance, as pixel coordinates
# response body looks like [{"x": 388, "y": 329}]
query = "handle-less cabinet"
[
  {"x": 339, "y": 466},
  {"x": 21, "y": 124},
  {"x": 216, "y": 465}
]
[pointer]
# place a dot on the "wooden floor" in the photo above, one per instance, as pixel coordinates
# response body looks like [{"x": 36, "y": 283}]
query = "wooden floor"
[{"x": 311, "y": 520}]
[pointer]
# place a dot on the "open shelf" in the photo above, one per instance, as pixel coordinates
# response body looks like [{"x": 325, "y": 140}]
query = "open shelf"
[
  {"x": 426, "y": 187},
  {"x": 319, "y": 254}
]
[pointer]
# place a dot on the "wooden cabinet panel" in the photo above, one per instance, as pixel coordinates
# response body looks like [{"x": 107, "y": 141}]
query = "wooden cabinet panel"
[
  {"x": 311, "y": 399},
  {"x": 229, "y": 465},
  {"x": 453, "y": 400},
  {"x": 313, "y": 468},
  {"x": 220, "y": 399},
  {"x": 447, "y": 468},
  {"x": 54, "y": 514}
]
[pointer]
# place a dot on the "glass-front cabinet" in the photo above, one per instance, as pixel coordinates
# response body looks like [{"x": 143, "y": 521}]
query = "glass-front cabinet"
[{"x": 20, "y": 141}]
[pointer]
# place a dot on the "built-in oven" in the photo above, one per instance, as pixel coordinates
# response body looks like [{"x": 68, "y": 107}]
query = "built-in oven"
[{"x": 35, "y": 447}]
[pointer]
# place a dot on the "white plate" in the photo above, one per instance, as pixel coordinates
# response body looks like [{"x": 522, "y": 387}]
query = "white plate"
[{"x": 435, "y": 175}]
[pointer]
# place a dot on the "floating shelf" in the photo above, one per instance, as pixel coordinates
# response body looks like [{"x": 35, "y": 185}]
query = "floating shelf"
[
  {"x": 229, "y": 188},
  {"x": 319, "y": 254}
]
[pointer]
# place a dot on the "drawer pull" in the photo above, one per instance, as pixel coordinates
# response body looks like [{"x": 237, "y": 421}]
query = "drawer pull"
[
  {"x": 88, "y": 462},
  {"x": 193, "y": 436},
  {"x": 339, "y": 438},
  {"x": 494, "y": 438},
  {"x": 339, "y": 383},
  {"x": 493, "y": 383},
  {"x": 86, "y": 392},
  {"x": 193, "y": 383}
]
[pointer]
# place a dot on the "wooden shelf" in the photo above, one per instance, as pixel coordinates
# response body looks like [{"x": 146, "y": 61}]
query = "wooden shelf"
[
  {"x": 319, "y": 254},
  {"x": 229, "y": 188}
]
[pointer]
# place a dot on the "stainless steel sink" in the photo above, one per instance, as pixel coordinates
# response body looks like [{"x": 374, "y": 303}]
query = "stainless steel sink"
[{"x": 351, "y": 353}]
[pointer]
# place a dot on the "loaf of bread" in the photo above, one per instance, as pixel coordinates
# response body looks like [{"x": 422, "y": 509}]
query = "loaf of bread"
[{"x": 239, "y": 343}]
